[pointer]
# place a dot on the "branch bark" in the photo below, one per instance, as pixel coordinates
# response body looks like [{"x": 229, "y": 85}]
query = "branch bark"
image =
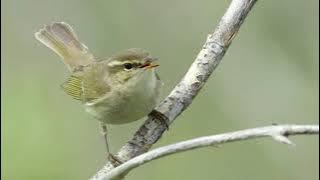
[
  {"x": 278, "y": 133},
  {"x": 182, "y": 95}
]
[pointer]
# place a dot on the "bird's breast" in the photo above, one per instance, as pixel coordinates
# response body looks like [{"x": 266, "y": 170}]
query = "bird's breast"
[{"x": 124, "y": 104}]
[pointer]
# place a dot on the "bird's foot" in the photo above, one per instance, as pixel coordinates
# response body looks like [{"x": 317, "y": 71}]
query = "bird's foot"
[
  {"x": 114, "y": 160},
  {"x": 161, "y": 117}
]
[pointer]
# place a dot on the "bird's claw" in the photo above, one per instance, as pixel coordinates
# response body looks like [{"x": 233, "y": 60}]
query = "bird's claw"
[
  {"x": 114, "y": 160},
  {"x": 161, "y": 117}
]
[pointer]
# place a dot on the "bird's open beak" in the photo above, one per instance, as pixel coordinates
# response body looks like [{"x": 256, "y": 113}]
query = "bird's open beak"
[{"x": 149, "y": 63}]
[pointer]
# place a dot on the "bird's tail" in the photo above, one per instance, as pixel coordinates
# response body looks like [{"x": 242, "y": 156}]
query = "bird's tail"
[{"x": 61, "y": 38}]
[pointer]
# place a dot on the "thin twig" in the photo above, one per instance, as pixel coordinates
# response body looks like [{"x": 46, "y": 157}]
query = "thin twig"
[
  {"x": 182, "y": 95},
  {"x": 278, "y": 133}
]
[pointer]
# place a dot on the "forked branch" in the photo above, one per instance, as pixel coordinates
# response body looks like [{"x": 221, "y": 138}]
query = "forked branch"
[{"x": 182, "y": 95}]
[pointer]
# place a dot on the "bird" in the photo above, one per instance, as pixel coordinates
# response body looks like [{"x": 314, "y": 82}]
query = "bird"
[{"x": 119, "y": 89}]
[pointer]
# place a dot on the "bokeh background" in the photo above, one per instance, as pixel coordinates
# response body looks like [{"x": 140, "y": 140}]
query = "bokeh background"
[{"x": 269, "y": 75}]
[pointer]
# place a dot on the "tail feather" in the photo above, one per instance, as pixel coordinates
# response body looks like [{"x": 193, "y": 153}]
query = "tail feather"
[{"x": 61, "y": 38}]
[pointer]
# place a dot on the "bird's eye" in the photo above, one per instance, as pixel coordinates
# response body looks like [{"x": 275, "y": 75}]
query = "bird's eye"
[{"x": 127, "y": 66}]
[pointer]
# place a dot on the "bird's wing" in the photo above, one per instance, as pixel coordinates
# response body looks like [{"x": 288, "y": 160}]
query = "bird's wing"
[{"x": 87, "y": 86}]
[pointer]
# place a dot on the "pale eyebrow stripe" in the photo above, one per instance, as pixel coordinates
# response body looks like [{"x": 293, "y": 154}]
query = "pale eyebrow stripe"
[{"x": 117, "y": 63}]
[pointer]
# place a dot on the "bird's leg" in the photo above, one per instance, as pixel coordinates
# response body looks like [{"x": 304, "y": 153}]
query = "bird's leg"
[
  {"x": 111, "y": 157},
  {"x": 105, "y": 135}
]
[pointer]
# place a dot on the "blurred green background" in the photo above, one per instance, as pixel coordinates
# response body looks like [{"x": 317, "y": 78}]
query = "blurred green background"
[{"x": 269, "y": 75}]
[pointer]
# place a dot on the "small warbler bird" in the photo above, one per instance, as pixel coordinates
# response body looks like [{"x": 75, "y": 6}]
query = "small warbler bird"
[{"x": 120, "y": 89}]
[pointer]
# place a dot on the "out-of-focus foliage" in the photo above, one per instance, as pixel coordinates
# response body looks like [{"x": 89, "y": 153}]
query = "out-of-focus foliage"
[{"x": 269, "y": 75}]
